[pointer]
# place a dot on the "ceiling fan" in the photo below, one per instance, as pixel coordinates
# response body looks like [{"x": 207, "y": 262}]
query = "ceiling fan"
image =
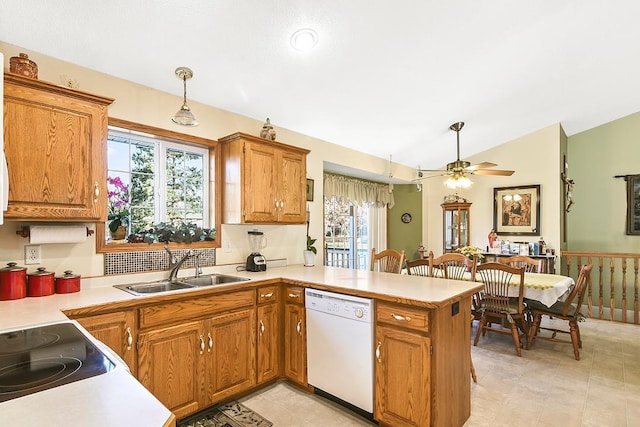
[{"x": 458, "y": 170}]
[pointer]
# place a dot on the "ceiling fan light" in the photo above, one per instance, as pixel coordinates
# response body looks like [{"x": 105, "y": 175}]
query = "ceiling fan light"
[{"x": 458, "y": 181}]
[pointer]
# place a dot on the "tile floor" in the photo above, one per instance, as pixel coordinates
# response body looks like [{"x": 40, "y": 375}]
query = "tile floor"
[{"x": 546, "y": 387}]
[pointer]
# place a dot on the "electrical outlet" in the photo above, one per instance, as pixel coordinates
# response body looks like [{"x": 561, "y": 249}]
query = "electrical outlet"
[{"x": 32, "y": 254}]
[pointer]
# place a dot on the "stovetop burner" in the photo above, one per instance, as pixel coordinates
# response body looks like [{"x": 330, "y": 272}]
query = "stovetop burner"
[{"x": 43, "y": 357}]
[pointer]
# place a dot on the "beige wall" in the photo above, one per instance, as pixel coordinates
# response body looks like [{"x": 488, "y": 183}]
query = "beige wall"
[{"x": 148, "y": 106}]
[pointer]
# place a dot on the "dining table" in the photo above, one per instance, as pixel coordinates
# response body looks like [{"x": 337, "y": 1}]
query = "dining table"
[{"x": 543, "y": 287}]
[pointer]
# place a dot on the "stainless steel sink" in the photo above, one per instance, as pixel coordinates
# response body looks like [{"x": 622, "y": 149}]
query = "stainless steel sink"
[
  {"x": 154, "y": 287},
  {"x": 186, "y": 283},
  {"x": 213, "y": 279}
]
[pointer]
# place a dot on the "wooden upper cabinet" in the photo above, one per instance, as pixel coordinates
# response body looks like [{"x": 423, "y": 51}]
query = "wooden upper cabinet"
[
  {"x": 55, "y": 145},
  {"x": 264, "y": 181}
]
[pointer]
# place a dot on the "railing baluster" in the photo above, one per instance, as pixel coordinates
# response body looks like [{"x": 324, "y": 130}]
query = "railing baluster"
[
  {"x": 636, "y": 307},
  {"x": 624, "y": 290},
  {"x": 618, "y": 281}
]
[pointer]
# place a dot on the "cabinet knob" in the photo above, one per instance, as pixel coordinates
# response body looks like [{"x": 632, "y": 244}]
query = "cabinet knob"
[
  {"x": 96, "y": 192},
  {"x": 210, "y": 342},
  {"x": 401, "y": 318},
  {"x": 291, "y": 295},
  {"x": 261, "y": 327},
  {"x": 299, "y": 327},
  {"x": 201, "y": 344},
  {"x": 378, "y": 350},
  {"x": 129, "y": 339},
  {"x": 269, "y": 295}
]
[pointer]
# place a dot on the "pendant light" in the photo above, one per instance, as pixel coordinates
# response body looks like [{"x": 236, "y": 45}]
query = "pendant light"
[{"x": 184, "y": 116}]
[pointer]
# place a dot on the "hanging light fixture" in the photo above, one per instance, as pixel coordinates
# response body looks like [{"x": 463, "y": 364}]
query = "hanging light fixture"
[{"x": 184, "y": 116}]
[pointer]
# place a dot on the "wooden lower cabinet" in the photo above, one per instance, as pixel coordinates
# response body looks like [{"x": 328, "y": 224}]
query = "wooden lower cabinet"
[
  {"x": 231, "y": 354},
  {"x": 118, "y": 331},
  {"x": 295, "y": 336},
  {"x": 268, "y": 334},
  {"x": 402, "y": 372},
  {"x": 423, "y": 363},
  {"x": 171, "y": 365}
]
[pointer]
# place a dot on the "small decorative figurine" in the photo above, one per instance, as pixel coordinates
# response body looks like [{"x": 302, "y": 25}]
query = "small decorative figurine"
[
  {"x": 268, "y": 132},
  {"x": 23, "y": 66},
  {"x": 492, "y": 237}
]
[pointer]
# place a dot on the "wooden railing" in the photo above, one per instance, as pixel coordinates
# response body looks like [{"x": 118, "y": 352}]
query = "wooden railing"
[{"x": 614, "y": 288}]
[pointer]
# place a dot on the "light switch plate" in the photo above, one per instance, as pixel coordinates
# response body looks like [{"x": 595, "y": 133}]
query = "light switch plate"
[{"x": 32, "y": 254}]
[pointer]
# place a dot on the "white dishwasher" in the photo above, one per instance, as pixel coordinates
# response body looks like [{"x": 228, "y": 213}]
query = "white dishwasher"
[{"x": 340, "y": 346}]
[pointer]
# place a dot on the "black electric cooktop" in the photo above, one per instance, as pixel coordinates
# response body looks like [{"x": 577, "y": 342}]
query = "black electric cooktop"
[{"x": 44, "y": 357}]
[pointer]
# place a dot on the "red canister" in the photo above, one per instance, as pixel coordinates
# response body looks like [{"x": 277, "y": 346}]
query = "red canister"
[
  {"x": 68, "y": 283},
  {"x": 40, "y": 283},
  {"x": 13, "y": 282}
]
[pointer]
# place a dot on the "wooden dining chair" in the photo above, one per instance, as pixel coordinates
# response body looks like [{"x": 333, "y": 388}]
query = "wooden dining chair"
[
  {"x": 418, "y": 267},
  {"x": 388, "y": 260},
  {"x": 496, "y": 303},
  {"x": 568, "y": 310},
  {"x": 451, "y": 266},
  {"x": 529, "y": 264}
]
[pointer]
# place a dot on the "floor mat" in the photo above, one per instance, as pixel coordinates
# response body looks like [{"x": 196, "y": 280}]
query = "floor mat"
[{"x": 232, "y": 414}]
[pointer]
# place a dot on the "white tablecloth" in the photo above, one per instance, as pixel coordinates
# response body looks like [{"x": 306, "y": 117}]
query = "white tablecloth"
[{"x": 543, "y": 287}]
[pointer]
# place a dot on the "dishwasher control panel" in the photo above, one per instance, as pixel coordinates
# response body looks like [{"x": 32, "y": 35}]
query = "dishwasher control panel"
[{"x": 347, "y": 306}]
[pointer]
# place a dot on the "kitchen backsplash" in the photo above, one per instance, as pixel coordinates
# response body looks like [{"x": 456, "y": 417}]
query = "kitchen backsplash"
[{"x": 135, "y": 262}]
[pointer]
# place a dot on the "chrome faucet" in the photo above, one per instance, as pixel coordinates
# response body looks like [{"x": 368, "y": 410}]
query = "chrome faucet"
[
  {"x": 175, "y": 265},
  {"x": 197, "y": 259}
]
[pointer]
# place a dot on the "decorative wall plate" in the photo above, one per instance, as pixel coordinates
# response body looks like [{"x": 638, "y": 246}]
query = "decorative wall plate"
[{"x": 406, "y": 218}]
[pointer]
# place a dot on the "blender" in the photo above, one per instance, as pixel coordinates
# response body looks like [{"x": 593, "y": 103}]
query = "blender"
[{"x": 256, "y": 261}]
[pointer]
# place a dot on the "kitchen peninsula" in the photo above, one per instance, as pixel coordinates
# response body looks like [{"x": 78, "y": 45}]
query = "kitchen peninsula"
[{"x": 423, "y": 321}]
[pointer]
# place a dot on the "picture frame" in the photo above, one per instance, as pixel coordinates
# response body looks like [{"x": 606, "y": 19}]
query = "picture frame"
[
  {"x": 633, "y": 205},
  {"x": 516, "y": 210},
  {"x": 309, "y": 190}
]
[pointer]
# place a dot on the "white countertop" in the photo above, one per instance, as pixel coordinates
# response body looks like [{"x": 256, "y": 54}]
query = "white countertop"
[{"x": 117, "y": 398}]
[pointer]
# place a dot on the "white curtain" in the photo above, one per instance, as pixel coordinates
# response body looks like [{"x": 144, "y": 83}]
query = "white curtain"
[
  {"x": 376, "y": 195},
  {"x": 377, "y": 229},
  {"x": 358, "y": 191}
]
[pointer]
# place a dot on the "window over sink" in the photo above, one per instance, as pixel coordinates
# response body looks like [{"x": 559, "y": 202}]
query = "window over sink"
[{"x": 161, "y": 189}]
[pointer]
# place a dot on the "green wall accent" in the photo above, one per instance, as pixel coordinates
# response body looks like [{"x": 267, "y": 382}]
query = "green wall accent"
[
  {"x": 401, "y": 235},
  {"x": 597, "y": 221}
]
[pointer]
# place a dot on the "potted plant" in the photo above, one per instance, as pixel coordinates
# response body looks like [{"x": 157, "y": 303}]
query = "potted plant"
[
  {"x": 310, "y": 253},
  {"x": 118, "y": 215}
]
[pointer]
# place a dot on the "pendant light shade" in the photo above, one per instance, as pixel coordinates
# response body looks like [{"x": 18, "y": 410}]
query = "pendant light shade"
[{"x": 184, "y": 116}]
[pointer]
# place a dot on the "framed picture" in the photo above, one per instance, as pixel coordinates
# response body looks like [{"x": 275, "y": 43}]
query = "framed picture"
[
  {"x": 309, "y": 190},
  {"x": 633, "y": 204},
  {"x": 516, "y": 210}
]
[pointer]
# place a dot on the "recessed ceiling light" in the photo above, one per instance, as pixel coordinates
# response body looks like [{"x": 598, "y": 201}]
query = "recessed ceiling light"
[{"x": 304, "y": 39}]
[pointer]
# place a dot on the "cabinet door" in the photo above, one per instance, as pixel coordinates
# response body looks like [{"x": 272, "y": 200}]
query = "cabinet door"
[
  {"x": 260, "y": 187},
  {"x": 292, "y": 191},
  {"x": 402, "y": 372},
  {"x": 55, "y": 145},
  {"x": 268, "y": 343},
  {"x": 171, "y": 365},
  {"x": 295, "y": 343},
  {"x": 118, "y": 332},
  {"x": 231, "y": 354}
]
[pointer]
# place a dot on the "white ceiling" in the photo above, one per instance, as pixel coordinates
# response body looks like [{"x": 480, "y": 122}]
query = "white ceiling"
[{"x": 386, "y": 78}]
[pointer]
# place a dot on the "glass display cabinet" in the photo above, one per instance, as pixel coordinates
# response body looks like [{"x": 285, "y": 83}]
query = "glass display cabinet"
[{"x": 455, "y": 226}]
